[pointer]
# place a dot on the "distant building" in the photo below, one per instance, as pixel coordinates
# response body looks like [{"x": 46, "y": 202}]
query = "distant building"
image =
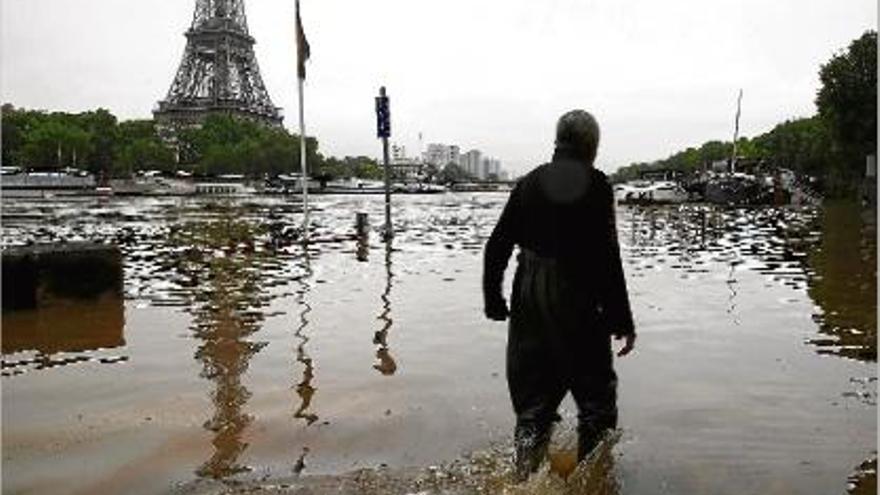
[
  {"x": 398, "y": 154},
  {"x": 436, "y": 154},
  {"x": 495, "y": 169},
  {"x": 406, "y": 171},
  {"x": 402, "y": 166},
  {"x": 454, "y": 155},
  {"x": 471, "y": 161},
  {"x": 490, "y": 169},
  {"x": 440, "y": 155}
]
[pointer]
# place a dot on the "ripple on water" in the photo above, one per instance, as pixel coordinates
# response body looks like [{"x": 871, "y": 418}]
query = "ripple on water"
[{"x": 227, "y": 264}]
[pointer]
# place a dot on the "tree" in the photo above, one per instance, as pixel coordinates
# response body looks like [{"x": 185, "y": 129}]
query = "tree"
[
  {"x": 53, "y": 143},
  {"x": 430, "y": 172},
  {"x": 225, "y": 144},
  {"x": 13, "y": 135},
  {"x": 222, "y": 144},
  {"x": 847, "y": 100},
  {"x": 802, "y": 145},
  {"x": 143, "y": 154},
  {"x": 101, "y": 125},
  {"x": 138, "y": 147},
  {"x": 453, "y": 173}
]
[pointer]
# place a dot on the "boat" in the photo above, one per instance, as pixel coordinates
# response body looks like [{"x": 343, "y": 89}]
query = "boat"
[
  {"x": 737, "y": 188},
  {"x": 223, "y": 185},
  {"x": 290, "y": 184},
  {"x": 353, "y": 186},
  {"x": 418, "y": 188},
  {"x": 650, "y": 192},
  {"x": 13, "y": 179}
]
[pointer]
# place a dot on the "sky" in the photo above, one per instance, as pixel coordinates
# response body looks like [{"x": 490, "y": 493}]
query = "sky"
[{"x": 491, "y": 74}]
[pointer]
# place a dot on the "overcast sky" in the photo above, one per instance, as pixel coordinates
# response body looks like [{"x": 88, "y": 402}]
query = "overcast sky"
[{"x": 488, "y": 74}]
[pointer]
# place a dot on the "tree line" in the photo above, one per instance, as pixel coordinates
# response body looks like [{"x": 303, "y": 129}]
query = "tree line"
[
  {"x": 830, "y": 146},
  {"x": 97, "y": 142}
]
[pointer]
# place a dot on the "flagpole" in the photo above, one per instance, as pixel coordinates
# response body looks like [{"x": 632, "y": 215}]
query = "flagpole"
[
  {"x": 736, "y": 131},
  {"x": 302, "y": 131},
  {"x": 302, "y": 161}
]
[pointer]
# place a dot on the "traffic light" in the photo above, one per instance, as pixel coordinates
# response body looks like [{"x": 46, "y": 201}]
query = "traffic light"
[{"x": 383, "y": 115}]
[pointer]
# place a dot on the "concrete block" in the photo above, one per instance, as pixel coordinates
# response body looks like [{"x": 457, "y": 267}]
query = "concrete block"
[{"x": 36, "y": 276}]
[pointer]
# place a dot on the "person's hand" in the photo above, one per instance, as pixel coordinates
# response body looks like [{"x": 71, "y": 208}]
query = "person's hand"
[
  {"x": 497, "y": 311},
  {"x": 628, "y": 346}
]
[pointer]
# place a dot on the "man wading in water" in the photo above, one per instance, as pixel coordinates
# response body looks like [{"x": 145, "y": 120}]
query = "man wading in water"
[{"x": 569, "y": 294}]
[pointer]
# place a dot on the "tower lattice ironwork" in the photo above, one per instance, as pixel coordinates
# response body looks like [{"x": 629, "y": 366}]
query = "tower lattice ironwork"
[{"x": 219, "y": 72}]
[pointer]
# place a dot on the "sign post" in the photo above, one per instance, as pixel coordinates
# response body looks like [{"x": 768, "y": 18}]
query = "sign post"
[{"x": 383, "y": 131}]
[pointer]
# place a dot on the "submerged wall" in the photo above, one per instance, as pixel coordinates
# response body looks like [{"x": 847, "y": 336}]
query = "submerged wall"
[{"x": 39, "y": 276}]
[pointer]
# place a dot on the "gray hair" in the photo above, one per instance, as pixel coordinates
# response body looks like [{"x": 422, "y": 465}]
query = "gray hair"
[{"x": 578, "y": 130}]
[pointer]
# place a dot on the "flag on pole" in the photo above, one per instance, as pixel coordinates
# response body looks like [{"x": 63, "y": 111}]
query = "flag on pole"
[
  {"x": 302, "y": 45},
  {"x": 302, "y": 53}
]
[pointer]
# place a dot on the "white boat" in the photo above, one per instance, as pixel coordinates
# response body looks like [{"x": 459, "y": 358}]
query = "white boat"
[
  {"x": 225, "y": 188},
  {"x": 650, "y": 192},
  {"x": 354, "y": 186},
  {"x": 13, "y": 180},
  {"x": 291, "y": 184},
  {"x": 418, "y": 188}
]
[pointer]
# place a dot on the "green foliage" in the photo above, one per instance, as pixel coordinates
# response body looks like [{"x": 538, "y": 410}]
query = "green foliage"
[
  {"x": 43, "y": 141},
  {"x": 15, "y": 126},
  {"x": 139, "y": 148},
  {"x": 131, "y": 130},
  {"x": 830, "y": 146},
  {"x": 224, "y": 145},
  {"x": 362, "y": 167},
  {"x": 97, "y": 142},
  {"x": 847, "y": 101},
  {"x": 144, "y": 154},
  {"x": 452, "y": 173},
  {"x": 94, "y": 141},
  {"x": 688, "y": 160},
  {"x": 101, "y": 127},
  {"x": 801, "y": 145},
  {"x": 54, "y": 143}
]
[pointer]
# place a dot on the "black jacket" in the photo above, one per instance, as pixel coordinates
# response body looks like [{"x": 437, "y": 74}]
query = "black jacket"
[{"x": 564, "y": 210}]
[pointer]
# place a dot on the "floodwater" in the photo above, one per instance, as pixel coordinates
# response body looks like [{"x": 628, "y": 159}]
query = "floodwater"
[{"x": 239, "y": 360}]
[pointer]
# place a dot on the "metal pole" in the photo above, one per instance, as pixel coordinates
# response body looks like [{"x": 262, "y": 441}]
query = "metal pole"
[
  {"x": 736, "y": 132},
  {"x": 384, "y": 133},
  {"x": 302, "y": 160},
  {"x": 388, "y": 232}
]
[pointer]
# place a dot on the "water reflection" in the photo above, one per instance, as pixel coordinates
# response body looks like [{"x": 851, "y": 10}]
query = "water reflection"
[
  {"x": 62, "y": 334},
  {"x": 864, "y": 480},
  {"x": 386, "y": 365},
  {"x": 843, "y": 282},
  {"x": 785, "y": 245},
  {"x": 828, "y": 253},
  {"x": 731, "y": 286},
  {"x": 691, "y": 238},
  {"x": 304, "y": 389},
  {"x": 227, "y": 299}
]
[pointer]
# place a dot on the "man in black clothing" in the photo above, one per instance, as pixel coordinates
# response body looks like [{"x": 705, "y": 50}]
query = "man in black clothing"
[{"x": 569, "y": 294}]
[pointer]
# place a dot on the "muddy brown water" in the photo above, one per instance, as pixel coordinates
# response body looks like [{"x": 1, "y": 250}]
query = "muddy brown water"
[{"x": 239, "y": 360}]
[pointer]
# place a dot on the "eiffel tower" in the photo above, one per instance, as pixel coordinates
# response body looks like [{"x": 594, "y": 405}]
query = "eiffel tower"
[{"x": 219, "y": 72}]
